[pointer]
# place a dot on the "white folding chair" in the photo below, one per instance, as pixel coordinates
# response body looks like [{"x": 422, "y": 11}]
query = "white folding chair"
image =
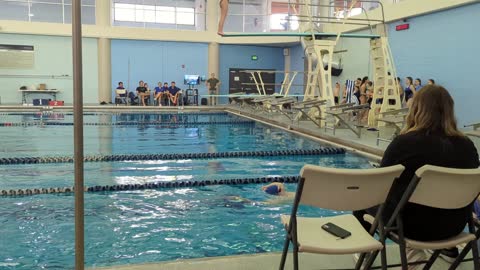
[
  {"x": 121, "y": 96},
  {"x": 340, "y": 190},
  {"x": 442, "y": 188}
]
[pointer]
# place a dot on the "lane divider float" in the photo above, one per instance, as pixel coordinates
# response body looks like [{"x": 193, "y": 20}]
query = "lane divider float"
[
  {"x": 176, "y": 156},
  {"x": 128, "y": 123},
  {"x": 155, "y": 185}
]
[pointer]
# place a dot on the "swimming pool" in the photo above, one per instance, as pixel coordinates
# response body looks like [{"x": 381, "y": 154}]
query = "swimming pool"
[{"x": 149, "y": 225}]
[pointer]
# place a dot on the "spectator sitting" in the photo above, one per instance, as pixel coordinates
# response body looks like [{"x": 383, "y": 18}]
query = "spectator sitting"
[
  {"x": 430, "y": 137},
  {"x": 431, "y": 81},
  {"x": 120, "y": 93},
  {"x": 175, "y": 93},
  {"x": 142, "y": 92},
  {"x": 120, "y": 86},
  {"x": 148, "y": 91},
  {"x": 166, "y": 96},
  {"x": 160, "y": 93}
]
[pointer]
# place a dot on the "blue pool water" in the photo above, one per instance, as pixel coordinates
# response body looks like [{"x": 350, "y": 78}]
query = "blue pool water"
[{"x": 148, "y": 225}]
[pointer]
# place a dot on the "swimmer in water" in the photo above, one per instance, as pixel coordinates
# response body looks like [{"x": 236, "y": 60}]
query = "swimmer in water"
[
  {"x": 279, "y": 191},
  {"x": 236, "y": 202}
]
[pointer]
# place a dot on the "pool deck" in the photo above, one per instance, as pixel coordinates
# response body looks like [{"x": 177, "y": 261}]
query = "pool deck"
[{"x": 270, "y": 261}]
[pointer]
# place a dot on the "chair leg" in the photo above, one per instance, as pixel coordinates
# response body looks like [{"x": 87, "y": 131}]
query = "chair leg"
[
  {"x": 370, "y": 260},
  {"x": 403, "y": 256},
  {"x": 384, "y": 259},
  {"x": 461, "y": 256},
  {"x": 285, "y": 252},
  {"x": 476, "y": 263},
  {"x": 432, "y": 259},
  {"x": 358, "y": 266},
  {"x": 295, "y": 257}
]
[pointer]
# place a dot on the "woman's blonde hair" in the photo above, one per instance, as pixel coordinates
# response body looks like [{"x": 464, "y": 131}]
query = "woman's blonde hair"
[{"x": 432, "y": 111}]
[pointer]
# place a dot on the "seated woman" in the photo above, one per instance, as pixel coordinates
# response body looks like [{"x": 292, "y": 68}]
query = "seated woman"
[{"x": 430, "y": 137}]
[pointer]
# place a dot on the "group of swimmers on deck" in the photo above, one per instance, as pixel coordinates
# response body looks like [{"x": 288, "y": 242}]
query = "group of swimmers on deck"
[
  {"x": 361, "y": 92},
  {"x": 163, "y": 94}
]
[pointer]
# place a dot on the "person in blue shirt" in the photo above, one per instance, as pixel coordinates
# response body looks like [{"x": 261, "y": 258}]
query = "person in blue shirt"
[
  {"x": 175, "y": 93},
  {"x": 120, "y": 86},
  {"x": 409, "y": 91},
  {"x": 160, "y": 93}
]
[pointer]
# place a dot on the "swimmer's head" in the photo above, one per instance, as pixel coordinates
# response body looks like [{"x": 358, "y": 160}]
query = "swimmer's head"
[{"x": 273, "y": 190}]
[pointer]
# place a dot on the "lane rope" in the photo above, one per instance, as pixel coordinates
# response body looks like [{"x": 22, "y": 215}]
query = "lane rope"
[
  {"x": 176, "y": 156},
  {"x": 155, "y": 185},
  {"x": 128, "y": 123},
  {"x": 113, "y": 113}
]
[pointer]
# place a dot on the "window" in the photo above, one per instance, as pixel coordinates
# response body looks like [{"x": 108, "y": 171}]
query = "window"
[
  {"x": 52, "y": 11},
  {"x": 283, "y": 22},
  {"x": 342, "y": 7},
  {"x": 184, "y": 14},
  {"x": 284, "y": 17}
]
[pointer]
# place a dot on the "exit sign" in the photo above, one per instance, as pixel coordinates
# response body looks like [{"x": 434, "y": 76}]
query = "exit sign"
[
  {"x": 402, "y": 27},
  {"x": 254, "y": 58}
]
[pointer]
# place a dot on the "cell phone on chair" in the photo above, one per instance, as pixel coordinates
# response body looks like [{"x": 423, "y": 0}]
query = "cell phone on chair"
[{"x": 336, "y": 230}]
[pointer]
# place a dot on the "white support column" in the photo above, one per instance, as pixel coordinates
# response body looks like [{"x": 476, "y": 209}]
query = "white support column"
[
  {"x": 102, "y": 13},
  {"x": 103, "y": 21},
  {"x": 213, "y": 67},
  {"x": 104, "y": 70},
  {"x": 288, "y": 64},
  {"x": 213, "y": 9}
]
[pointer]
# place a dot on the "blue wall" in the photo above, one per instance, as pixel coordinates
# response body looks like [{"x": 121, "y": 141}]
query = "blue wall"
[
  {"x": 442, "y": 46},
  {"x": 154, "y": 61},
  {"x": 297, "y": 63},
  {"x": 239, "y": 56}
]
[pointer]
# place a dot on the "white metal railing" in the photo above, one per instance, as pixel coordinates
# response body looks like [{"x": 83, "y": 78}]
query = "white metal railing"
[
  {"x": 56, "y": 12},
  {"x": 264, "y": 20}
]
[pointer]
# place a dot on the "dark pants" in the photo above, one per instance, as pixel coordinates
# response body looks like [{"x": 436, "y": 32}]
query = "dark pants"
[
  {"x": 371, "y": 211},
  {"x": 423, "y": 223}
]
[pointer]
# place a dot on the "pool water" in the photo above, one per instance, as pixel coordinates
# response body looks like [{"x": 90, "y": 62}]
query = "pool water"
[{"x": 149, "y": 225}]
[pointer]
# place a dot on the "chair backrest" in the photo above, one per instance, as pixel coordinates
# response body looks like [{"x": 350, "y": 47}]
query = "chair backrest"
[
  {"x": 347, "y": 189},
  {"x": 446, "y": 188}
]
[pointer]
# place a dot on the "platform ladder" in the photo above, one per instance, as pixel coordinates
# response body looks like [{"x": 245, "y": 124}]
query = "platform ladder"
[
  {"x": 319, "y": 80},
  {"x": 384, "y": 77}
]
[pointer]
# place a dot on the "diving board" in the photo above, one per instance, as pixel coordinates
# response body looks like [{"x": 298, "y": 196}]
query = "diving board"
[{"x": 298, "y": 34}]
